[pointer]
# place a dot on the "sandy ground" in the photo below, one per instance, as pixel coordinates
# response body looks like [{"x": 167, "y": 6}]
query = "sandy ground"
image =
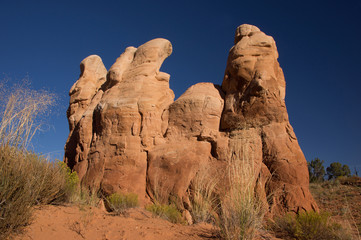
[{"x": 77, "y": 222}]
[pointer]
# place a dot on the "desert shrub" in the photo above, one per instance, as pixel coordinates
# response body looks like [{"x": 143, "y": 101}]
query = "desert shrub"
[
  {"x": 241, "y": 211},
  {"x": 352, "y": 180},
  {"x": 164, "y": 204},
  {"x": 21, "y": 111},
  {"x": 85, "y": 197},
  {"x": 26, "y": 179},
  {"x": 71, "y": 189},
  {"x": 167, "y": 212},
  {"x": 309, "y": 226},
  {"x": 203, "y": 198},
  {"x": 118, "y": 203}
]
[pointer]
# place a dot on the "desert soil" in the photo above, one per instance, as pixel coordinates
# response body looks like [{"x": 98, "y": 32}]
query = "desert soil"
[
  {"x": 84, "y": 222},
  {"x": 343, "y": 202}
]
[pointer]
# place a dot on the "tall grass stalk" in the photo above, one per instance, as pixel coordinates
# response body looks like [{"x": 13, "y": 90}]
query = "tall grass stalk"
[
  {"x": 21, "y": 109},
  {"x": 241, "y": 211},
  {"x": 203, "y": 195},
  {"x": 25, "y": 178}
]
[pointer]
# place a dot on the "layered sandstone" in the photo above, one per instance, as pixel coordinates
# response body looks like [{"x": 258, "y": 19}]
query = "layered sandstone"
[
  {"x": 127, "y": 133},
  {"x": 254, "y": 87}
]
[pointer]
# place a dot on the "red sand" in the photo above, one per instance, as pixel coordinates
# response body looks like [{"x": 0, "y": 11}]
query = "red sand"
[{"x": 74, "y": 222}]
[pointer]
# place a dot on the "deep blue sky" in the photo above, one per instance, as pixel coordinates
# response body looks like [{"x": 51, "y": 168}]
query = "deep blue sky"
[{"x": 319, "y": 44}]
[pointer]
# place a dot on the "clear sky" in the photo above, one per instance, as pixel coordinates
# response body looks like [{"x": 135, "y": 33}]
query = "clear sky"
[{"x": 319, "y": 44}]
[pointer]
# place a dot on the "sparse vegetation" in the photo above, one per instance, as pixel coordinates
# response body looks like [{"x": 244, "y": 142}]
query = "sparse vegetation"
[
  {"x": 241, "y": 211},
  {"x": 21, "y": 111},
  {"x": 203, "y": 198},
  {"x": 309, "y": 226},
  {"x": 85, "y": 197},
  {"x": 167, "y": 212},
  {"x": 341, "y": 198},
  {"x": 71, "y": 188},
  {"x": 26, "y": 178},
  {"x": 118, "y": 203},
  {"x": 164, "y": 204}
]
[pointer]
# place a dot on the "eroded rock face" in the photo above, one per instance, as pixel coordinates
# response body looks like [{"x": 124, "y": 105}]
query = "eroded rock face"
[
  {"x": 128, "y": 135},
  {"x": 191, "y": 139},
  {"x": 254, "y": 87},
  {"x": 84, "y": 96}
]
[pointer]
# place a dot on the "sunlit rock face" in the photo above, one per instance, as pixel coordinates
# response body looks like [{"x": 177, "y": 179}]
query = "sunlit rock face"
[
  {"x": 255, "y": 110},
  {"x": 127, "y": 134}
]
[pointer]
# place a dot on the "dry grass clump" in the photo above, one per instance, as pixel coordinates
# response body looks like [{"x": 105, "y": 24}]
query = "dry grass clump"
[
  {"x": 309, "y": 226},
  {"x": 241, "y": 211},
  {"x": 118, "y": 203},
  {"x": 352, "y": 180},
  {"x": 21, "y": 111},
  {"x": 341, "y": 201},
  {"x": 203, "y": 197},
  {"x": 25, "y": 177},
  {"x": 164, "y": 204},
  {"x": 168, "y": 212},
  {"x": 83, "y": 196}
]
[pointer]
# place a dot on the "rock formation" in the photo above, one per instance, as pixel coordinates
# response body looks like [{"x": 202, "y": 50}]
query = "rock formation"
[{"x": 127, "y": 133}]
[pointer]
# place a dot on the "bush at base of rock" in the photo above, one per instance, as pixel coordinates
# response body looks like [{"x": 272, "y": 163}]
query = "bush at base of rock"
[
  {"x": 27, "y": 179},
  {"x": 118, "y": 203},
  {"x": 309, "y": 226},
  {"x": 167, "y": 212}
]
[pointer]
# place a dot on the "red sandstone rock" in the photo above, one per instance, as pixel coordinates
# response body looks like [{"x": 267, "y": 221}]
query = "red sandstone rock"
[
  {"x": 127, "y": 134},
  {"x": 84, "y": 96},
  {"x": 190, "y": 141},
  {"x": 254, "y": 88}
]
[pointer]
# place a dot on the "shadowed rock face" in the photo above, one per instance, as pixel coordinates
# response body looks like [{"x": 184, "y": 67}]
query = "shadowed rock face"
[{"x": 128, "y": 135}]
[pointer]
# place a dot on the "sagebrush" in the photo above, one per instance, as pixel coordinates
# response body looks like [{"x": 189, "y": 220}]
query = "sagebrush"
[
  {"x": 309, "y": 226},
  {"x": 26, "y": 178}
]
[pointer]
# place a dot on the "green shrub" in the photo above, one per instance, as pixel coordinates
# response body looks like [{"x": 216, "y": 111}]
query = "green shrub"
[
  {"x": 71, "y": 188},
  {"x": 118, "y": 203},
  {"x": 309, "y": 226},
  {"x": 167, "y": 212}
]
